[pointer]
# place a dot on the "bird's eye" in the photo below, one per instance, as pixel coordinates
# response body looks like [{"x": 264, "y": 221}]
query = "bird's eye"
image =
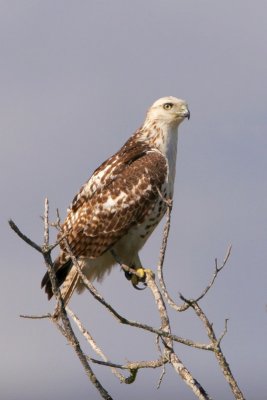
[{"x": 167, "y": 106}]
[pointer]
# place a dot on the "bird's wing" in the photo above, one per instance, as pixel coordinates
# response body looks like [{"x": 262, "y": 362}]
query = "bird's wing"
[
  {"x": 127, "y": 196},
  {"x": 109, "y": 170}
]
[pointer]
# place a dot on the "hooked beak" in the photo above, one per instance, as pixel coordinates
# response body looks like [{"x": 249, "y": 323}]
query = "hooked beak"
[{"x": 185, "y": 112}]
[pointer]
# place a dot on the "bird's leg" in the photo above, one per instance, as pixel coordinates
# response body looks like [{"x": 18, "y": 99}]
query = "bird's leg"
[{"x": 137, "y": 274}]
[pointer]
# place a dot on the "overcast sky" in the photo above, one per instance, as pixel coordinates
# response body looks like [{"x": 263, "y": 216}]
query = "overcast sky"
[{"x": 76, "y": 79}]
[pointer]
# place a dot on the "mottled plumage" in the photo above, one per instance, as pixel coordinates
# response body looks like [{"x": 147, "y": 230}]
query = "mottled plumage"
[{"x": 122, "y": 203}]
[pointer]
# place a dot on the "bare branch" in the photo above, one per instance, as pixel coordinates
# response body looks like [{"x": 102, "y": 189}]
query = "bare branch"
[
  {"x": 92, "y": 342},
  {"x": 36, "y": 316},
  {"x": 66, "y": 330},
  {"x": 14, "y": 227},
  {"x": 217, "y": 348},
  {"x": 46, "y": 223},
  {"x": 132, "y": 367},
  {"x": 94, "y": 292},
  {"x": 162, "y": 284},
  {"x": 215, "y": 274},
  {"x": 170, "y": 301},
  {"x": 69, "y": 333},
  {"x": 177, "y": 364},
  {"x": 160, "y": 294},
  {"x": 163, "y": 372},
  {"x": 133, "y": 364},
  {"x": 161, "y": 376},
  {"x": 166, "y": 332},
  {"x": 224, "y": 331}
]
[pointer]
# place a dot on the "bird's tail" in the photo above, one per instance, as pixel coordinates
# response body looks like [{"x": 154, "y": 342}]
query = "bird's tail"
[{"x": 66, "y": 274}]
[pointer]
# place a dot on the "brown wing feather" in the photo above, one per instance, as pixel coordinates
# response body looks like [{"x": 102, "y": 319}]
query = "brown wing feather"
[
  {"x": 138, "y": 173},
  {"x": 124, "y": 201},
  {"x": 109, "y": 170}
]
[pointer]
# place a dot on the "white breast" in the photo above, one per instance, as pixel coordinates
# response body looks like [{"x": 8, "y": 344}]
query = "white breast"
[{"x": 168, "y": 147}]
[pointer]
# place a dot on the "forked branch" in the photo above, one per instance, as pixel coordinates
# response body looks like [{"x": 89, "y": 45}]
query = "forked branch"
[
  {"x": 65, "y": 328},
  {"x": 163, "y": 334}
]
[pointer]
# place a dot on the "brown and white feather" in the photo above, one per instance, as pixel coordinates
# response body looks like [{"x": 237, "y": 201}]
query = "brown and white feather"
[{"x": 121, "y": 204}]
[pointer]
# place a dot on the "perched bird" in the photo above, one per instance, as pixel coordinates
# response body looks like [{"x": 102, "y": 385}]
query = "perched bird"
[{"x": 118, "y": 208}]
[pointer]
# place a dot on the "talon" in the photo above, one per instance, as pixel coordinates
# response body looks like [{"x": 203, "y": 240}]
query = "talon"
[
  {"x": 128, "y": 275},
  {"x": 135, "y": 286},
  {"x": 140, "y": 277}
]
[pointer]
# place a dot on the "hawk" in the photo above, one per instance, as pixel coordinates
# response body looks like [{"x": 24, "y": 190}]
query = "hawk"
[{"x": 118, "y": 208}]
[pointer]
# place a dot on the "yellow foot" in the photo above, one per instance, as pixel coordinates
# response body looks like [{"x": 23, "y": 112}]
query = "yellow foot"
[{"x": 140, "y": 276}]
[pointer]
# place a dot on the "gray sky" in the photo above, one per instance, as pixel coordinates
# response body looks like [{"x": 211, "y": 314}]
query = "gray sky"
[{"x": 76, "y": 80}]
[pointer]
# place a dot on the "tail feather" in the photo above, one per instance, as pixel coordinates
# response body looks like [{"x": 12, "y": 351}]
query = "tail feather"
[
  {"x": 69, "y": 285},
  {"x": 61, "y": 271}
]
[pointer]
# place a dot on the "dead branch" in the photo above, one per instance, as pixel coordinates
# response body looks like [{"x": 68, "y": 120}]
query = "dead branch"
[
  {"x": 217, "y": 347},
  {"x": 163, "y": 334},
  {"x": 169, "y": 352},
  {"x": 92, "y": 342},
  {"x": 123, "y": 320},
  {"x": 170, "y": 301},
  {"x": 216, "y": 272},
  {"x": 67, "y": 328},
  {"x": 161, "y": 262},
  {"x": 25, "y": 238}
]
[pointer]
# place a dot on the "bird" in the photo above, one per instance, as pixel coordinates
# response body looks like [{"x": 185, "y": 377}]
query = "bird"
[{"x": 118, "y": 208}]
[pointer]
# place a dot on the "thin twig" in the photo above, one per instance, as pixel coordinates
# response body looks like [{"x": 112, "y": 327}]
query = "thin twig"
[
  {"x": 163, "y": 372},
  {"x": 91, "y": 288},
  {"x": 223, "y": 332},
  {"x": 165, "y": 326},
  {"x": 66, "y": 330},
  {"x": 131, "y": 365},
  {"x": 69, "y": 333},
  {"x": 163, "y": 248},
  {"x": 35, "y": 316},
  {"x": 169, "y": 352},
  {"x": 165, "y": 292},
  {"x": 46, "y": 224},
  {"x": 216, "y": 272},
  {"x": 25, "y": 238},
  {"x": 92, "y": 342},
  {"x": 167, "y": 355},
  {"x": 217, "y": 348}
]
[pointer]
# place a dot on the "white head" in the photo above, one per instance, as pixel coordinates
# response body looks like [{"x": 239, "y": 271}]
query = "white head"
[{"x": 168, "y": 111}]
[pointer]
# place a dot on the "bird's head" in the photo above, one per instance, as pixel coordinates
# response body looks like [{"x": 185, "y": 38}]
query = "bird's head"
[{"x": 168, "y": 110}]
